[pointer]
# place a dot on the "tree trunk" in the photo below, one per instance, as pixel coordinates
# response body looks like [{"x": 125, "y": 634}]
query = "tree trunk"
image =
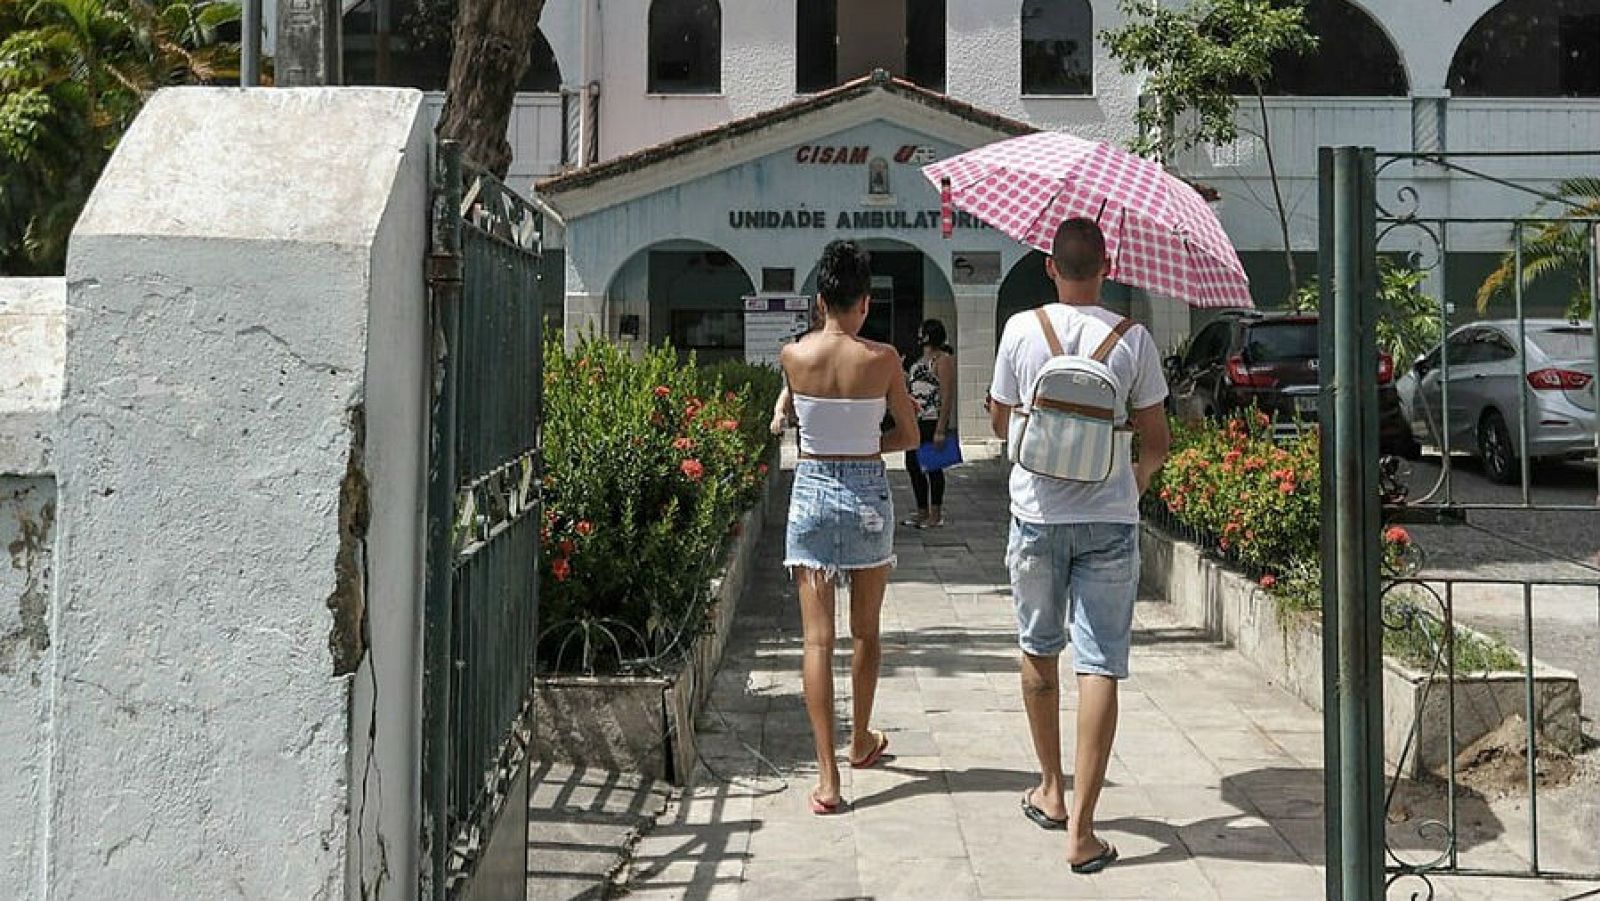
[
  {"x": 1277, "y": 194},
  {"x": 493, "y": 40}
]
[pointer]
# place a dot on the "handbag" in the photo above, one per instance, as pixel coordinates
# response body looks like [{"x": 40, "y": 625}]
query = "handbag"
[{"x": 933, "y": 459}]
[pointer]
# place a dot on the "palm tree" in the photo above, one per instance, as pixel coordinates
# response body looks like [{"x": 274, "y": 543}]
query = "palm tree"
[
  {"x": 1558, "y": 249},
  {"x": 73, "y": 75}
]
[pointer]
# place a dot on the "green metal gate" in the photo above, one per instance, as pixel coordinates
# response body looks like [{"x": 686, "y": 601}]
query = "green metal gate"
[
  {"x": 481, "y": 613},
  {"x": 1361, "y": 496}
]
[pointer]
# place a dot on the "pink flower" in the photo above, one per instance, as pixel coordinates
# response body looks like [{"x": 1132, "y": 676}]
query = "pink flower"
[
  {"x": 584, "y": 527},
  {"x": 1269, "y": 581},
  {"x": 683, "y": 444},
  {"x": 561, "y": 569},
  {"x": 692, "y": 469},
  {"x": 1397, "y": 535},
  {"x": 728, "y": 425},
  {"x": 662, "y": 391}
]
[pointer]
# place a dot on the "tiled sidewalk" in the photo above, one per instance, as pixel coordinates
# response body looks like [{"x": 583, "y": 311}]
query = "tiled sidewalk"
[{"x": 1215, "y": 791}]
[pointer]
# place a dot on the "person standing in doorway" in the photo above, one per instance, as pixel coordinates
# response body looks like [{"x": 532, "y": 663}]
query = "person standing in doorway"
[
  {"x": 1073, "y": 553},
  {"x": 932, "y": 381},
  {"x": 841, "y": 516}
]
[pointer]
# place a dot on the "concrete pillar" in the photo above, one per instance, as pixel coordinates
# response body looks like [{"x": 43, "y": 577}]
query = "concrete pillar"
[
  {"x": 975, "y": 342},
  {"x": 242, "y": 462},
  {"x": 1165, "y": 317},
  {"x": 32, "y": 346},
  {"x": 585, "y": 316}
]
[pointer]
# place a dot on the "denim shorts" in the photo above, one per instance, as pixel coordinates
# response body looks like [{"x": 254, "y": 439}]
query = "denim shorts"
[
  {"x": 1083, "y": 577},
  {"x": 841, "y": 517}
]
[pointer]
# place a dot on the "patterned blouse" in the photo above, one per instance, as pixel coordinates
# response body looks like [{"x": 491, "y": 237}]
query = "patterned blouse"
[{"x": 924, "y": 386}]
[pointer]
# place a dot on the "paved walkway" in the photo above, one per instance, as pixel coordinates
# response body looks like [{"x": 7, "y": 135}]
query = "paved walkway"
[{"x": 1215, "y": 791}]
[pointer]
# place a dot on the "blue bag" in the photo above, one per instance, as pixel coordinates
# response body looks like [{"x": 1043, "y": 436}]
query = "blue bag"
[{"x": 932, "y": 459}]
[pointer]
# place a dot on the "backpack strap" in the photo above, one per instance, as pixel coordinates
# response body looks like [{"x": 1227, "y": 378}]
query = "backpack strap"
[
  {"x": 1049, "y": 327},
  {"x": 1117, "y": 331}
]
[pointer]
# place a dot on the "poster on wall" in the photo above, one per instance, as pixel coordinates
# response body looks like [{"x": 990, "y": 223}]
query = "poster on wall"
[{"x": 770, "y": 322}]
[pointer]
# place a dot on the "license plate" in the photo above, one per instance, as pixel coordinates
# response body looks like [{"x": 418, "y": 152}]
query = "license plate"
[{"x": 1305, "y": 405}]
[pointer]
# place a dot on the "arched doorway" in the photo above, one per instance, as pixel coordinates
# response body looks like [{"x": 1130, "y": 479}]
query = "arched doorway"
[
  {"x": 907, "y": 287},
  {"x": 689, "y": 294}
]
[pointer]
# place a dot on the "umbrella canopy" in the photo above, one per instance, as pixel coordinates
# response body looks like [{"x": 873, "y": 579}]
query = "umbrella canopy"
[{"x": 1160, "y": 234}]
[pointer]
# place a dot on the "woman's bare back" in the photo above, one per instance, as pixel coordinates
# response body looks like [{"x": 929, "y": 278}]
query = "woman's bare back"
[{"x": 827, "y": 364}]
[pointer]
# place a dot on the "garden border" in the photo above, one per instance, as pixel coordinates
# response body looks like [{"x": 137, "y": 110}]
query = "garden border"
[
  {"x": 1288, "y": 650},
  {"x": 645, "y": 724}
]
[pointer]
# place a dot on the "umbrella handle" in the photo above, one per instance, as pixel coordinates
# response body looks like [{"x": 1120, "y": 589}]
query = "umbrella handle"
[{"x": 947, "y": 213}]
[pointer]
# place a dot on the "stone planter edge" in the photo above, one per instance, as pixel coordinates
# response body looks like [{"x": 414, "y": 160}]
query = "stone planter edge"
[{"x": 1288, "y": 650}]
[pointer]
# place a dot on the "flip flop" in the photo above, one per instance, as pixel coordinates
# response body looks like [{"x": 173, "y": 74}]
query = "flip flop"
[
  {"x": 1037, "y": 814},
  {"x": 1098, "y": 862},
  {"x": 823, "y": 810},
  {"x": 873, "y": 756}
]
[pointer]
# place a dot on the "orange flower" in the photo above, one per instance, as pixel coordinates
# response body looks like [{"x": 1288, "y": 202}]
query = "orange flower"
[
  {"x": 1397, "y": 535},
  {"x": 662, "y": 391},
  {"x": 1286, "y": 487},
  {"x": 561, "y": 569},
  {"x": 728, "y": 425},
  {"x": 683, "y": 444},
  {"x": 584, "y": 527},
  {"x": 692, "y": 469},
  {"x": 1269, "y": 581}
]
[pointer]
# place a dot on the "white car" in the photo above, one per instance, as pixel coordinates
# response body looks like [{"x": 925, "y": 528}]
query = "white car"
[{"x": 1485, "y": 371}]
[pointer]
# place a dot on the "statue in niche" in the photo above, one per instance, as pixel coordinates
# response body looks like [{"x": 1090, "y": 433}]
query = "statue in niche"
[{"x": 878, "y": 177}]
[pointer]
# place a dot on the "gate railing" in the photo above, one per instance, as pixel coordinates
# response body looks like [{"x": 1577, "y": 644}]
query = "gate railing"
[
  {"x": 1360, "y": 497},
  {"x": 483, "y": 515}
]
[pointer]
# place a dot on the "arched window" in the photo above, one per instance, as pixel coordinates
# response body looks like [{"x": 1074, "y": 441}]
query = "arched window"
[
  {"x": 544, "y": 73},
  {"x": 1531, "y": 48},
  {"x": 1354, "y": 59},
  {"x": 1057, "y": 47},
  {"x": 685, "y": 53}
]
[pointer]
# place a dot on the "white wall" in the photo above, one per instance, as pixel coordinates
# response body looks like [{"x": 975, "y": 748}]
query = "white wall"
[
  {"x": 32, "y": 351},
  {"x": 208, "y": 459}
]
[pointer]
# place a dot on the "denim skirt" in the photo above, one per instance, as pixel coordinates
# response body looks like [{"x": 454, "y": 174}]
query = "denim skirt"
[{"x": 841, "y": 517}]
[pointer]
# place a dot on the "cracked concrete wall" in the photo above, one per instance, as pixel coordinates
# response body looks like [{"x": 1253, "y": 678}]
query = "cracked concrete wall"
[
  {"x": 221, "y": 335},
  {"x": 32, "y": 353},
  {"x": 27, "y": 539}
]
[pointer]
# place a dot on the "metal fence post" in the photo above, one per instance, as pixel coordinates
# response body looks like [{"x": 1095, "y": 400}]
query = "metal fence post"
[
  {"x": 1351, "y": 598},
  {"x": 444, "y": 278}
]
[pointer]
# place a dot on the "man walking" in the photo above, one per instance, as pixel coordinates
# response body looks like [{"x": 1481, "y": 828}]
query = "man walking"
[{"x": 1074, "y": 546}]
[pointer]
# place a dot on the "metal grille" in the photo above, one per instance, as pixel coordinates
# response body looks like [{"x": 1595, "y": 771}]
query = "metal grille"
[
  {"x": 483, "y": 514},
  {"x": 1363, "y": 859}
]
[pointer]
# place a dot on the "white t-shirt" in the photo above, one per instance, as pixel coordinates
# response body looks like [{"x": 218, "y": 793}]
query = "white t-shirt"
[{"x": 1137, "y": 365}]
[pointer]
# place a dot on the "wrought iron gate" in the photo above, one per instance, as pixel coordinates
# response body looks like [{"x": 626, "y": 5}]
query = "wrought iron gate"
[
  {"x": 483, "y": 529},
  {"x": 1361, "y": 496}
]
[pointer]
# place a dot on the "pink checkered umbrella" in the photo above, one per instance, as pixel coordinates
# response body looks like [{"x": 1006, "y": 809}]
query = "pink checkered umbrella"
[{"x": 1160, "y": 234}]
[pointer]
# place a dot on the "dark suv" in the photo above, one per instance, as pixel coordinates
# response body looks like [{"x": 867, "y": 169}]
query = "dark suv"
[{"x": 1269, "y": 360}]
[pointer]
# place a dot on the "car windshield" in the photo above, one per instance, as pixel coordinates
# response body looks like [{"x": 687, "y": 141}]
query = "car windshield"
[
  {"x": 1565, "y": 343},
  {"x": 1272, "y": 342}
]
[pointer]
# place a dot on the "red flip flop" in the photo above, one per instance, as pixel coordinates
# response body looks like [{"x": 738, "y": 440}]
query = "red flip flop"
[
  {"x": 873, "y": 756},
  {"x": 823, "y": 810}
]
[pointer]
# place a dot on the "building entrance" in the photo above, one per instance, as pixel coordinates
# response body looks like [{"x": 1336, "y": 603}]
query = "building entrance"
[{"x": 898, "y": 291}]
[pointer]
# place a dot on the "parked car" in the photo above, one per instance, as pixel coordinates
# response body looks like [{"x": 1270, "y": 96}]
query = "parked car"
[
  {"x": 1269, "y": 360},
  {"x": 1484, "y": 375}
]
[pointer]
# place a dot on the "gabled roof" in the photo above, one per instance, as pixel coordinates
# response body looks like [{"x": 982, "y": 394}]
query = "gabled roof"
[{"x": 851, "y": 90}]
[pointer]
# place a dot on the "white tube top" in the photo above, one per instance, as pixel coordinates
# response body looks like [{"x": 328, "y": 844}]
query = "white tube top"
[{"x": 840, "y": 426}]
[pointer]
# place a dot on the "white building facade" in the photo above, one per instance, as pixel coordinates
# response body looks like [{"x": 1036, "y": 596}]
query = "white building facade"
[{"x": 668, "y": 133}]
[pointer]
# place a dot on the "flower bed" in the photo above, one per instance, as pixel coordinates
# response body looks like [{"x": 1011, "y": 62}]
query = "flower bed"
[
  {"x": 649, "y": 464},
  {"x": 1256, "y": 502}
]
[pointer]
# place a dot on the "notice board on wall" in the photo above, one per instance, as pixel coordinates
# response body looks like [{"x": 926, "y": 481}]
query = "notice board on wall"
[{"x": 770, "y": 322}]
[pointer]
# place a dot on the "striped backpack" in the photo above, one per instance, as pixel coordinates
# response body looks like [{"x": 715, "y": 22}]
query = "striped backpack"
[{"x": 1068, "y": 428}]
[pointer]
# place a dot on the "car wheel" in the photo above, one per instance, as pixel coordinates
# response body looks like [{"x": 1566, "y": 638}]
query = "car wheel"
[{"x": 1494, "y": 446}]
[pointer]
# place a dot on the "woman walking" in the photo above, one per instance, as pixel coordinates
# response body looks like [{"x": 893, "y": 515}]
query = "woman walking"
[
  {"x": 933, "y": 380},
  {"x": 840, "y": 513}
]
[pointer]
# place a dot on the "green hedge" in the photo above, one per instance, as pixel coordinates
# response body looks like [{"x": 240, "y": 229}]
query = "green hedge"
[{"x": 649, "y": 465}]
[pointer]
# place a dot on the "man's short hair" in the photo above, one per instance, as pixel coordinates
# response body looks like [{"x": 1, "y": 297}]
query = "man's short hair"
[
  {"x": 844, "y": 275},
  {"x": 1079, "y": 249}
]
